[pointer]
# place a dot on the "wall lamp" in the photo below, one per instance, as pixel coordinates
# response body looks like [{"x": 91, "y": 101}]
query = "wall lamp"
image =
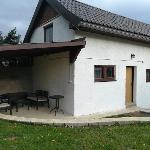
[
  {"x": 132, "y": 56},
  {"x": 5, "y": 63}
]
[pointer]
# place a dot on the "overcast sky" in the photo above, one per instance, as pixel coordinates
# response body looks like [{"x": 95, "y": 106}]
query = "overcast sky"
[{"x": 18, "y": 13}]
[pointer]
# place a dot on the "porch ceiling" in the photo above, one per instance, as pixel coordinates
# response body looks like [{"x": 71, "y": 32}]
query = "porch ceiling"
[{"x": 38, "y": 49}]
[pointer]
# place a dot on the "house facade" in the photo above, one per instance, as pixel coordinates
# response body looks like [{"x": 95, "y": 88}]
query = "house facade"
[{"x": 111, "y": 73}]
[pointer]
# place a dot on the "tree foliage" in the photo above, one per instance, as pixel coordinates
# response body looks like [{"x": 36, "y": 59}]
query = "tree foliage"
[
  {"x": 1, "y": 38},
  {"x": 11, "y": 38}
]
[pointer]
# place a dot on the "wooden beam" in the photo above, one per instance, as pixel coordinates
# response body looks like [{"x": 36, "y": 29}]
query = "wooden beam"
[{"x": 73, "y": 55}]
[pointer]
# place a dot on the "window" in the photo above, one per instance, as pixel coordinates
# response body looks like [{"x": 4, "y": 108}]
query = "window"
[
  {"x": 48, "y": 33},
  {"x": 147, "y": 75},
  {"x": 104, "y": 73}
]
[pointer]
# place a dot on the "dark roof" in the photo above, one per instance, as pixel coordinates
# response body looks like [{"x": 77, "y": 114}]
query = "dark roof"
[
  {"x": 36, "y": 49},
  {"x": 89, "y": 18}
]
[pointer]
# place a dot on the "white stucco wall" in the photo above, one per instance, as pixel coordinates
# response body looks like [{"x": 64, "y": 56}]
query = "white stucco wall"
[
  {"x": 61, "y": 31},
  {"x": 55, "y": 74},
  {"x": 83, "y": 96},
  {"x": 99, "y": 97}
]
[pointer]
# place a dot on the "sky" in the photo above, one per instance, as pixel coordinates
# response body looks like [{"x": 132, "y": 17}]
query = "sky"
[{"x": 18, "y": 13}]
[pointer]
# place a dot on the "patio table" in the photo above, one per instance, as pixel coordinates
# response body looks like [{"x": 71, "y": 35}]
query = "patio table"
[{"x": 57, "y": 99}]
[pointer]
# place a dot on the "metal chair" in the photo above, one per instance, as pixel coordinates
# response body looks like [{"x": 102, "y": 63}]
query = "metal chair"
[
  {"x": 5, "y": 105},
  {"x": 39, "y": 96}
]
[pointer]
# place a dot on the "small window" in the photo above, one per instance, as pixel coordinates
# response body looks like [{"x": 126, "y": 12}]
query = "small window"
[
  {"x": 48, "y": 33},
  {"x": 147, "y": 75},
  {"x": 104, "y": 73}
]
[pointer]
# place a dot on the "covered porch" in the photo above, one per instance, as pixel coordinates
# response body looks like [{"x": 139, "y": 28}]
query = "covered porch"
[{"x": 44, "y": 66}]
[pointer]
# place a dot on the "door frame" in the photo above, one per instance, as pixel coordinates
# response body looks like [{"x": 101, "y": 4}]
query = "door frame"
[{"x": 134, "y": 72}]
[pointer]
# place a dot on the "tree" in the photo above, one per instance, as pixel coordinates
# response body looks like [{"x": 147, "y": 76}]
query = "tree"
[
  {"x": 11, "y": 38},
  {"x": 1, "y": 38}
]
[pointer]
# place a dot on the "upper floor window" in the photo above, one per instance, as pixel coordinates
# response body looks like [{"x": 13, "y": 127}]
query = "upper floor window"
[
  {"x": 147, "y": 75},
  {"x": 104, "y": 73},
  {"x": 48, "y": 33}
]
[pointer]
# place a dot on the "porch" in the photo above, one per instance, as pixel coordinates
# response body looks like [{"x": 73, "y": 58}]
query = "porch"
[
  {"x": 45, "y": 66},
  {"x": 43, "y": 114}
]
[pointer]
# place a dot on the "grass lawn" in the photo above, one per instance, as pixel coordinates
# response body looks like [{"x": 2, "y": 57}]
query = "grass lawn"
[{"x": 17, "y": 136}]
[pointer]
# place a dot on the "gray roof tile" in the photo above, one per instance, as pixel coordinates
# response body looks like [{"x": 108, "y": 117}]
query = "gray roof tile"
[
  {"x": 92, "y": 19},
  {"x": 92, "y": 15}
]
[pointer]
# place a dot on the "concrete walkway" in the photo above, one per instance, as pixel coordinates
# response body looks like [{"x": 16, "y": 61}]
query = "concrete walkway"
[
  {"x": 44, "y": 113},
  {"x": 91, "y": 120},
  {"x": 76, "y": 122}
]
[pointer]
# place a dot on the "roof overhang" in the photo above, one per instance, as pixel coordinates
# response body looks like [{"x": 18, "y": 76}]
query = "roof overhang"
[
  {"x": 89, "y": 27},
  {"x": 110, "y": 24},
  {"x": 32, "y": 49}
]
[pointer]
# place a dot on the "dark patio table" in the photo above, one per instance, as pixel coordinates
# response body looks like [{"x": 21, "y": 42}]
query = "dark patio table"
[{"x": 57, "y": 99}]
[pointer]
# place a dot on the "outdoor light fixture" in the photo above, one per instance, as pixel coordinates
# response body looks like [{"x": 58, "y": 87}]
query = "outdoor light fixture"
[
  {"x": 5, "y": 63},
  {"x": 132, "y": 56}
]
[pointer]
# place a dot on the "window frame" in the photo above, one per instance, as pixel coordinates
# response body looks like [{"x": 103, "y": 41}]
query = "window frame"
[
  {"x": 147, "y": 80},
  {"x": 104, "y": 72},
  {"x": 45, "y": 28}
]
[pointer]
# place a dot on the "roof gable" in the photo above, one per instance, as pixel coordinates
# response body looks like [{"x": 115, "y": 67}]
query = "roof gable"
[
  {"x": 92, "y": 19},
  {"x": 45, "y": 14}
]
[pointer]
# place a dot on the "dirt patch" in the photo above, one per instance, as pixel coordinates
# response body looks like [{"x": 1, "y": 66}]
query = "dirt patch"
[
  {"x": 134, "y": 114},
  {"x": 11, "y": 139}
]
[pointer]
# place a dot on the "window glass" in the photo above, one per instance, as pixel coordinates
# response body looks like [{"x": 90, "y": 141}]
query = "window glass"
[
  {"x": 98, "y": 72},
  {"x": 110, "y": 72},
  {"x": 147, "y": 75},
  {"x": 104, "y": 73},
  {"x": 48, "y": 31}
]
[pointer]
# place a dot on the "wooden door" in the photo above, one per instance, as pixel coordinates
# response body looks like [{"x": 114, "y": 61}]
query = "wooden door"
[{"x": 129, "y": 85}]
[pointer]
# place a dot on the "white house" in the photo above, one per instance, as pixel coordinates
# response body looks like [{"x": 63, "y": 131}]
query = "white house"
[{"x": 109, "y": 74}]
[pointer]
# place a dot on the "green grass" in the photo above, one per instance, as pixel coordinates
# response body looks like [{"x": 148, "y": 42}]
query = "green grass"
[{"x": 17, "y": 136}]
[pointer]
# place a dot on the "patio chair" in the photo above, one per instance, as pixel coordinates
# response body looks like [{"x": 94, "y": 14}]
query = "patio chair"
[
  {"x": 14, "y": 99},
  {"x": 38, "y": 97},
  {"x": 5, "y": 105}
]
